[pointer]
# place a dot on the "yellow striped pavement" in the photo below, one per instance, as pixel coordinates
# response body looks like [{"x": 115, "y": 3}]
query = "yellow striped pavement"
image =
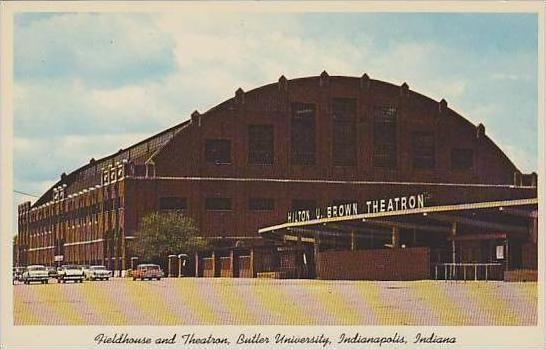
[{"x": 190, "y": 301}]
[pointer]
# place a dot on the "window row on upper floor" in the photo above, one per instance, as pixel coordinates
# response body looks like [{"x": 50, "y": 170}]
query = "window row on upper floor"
[{"x": 261, "y": 140}]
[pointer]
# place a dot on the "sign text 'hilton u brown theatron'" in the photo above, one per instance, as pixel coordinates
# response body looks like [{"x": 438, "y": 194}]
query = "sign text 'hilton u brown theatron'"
[{"x": 351, "y": 209}]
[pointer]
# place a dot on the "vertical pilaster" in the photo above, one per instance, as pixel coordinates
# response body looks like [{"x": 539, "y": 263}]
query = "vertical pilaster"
[
  {"x": 215, "y": 270},
  {"x": 252, "y": 261},
  {"x": 316, "y": 252},
  {"x": 196, "y": 264}
]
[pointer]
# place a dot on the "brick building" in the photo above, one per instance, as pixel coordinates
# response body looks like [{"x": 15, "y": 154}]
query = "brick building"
[{"x": 291, "y": 146}]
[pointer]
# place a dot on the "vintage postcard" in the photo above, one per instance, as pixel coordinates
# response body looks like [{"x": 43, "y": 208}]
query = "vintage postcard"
[{"x": 272, "y": 174}]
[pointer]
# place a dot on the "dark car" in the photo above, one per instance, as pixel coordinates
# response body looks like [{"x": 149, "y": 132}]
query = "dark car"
[
  {"x": 52, "y": 272},
  {"x": 18, "y": 274}
]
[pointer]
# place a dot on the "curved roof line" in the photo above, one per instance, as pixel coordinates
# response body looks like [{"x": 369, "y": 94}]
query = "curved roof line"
[
  {"x": 373, "y": 81},
  {"x": 179, "y": 126}
]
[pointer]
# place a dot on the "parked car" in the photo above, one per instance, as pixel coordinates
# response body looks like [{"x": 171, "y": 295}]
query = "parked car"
[
  {"x": 97, "y": 272},
  {"x": 70, "y": 273},
  {"x": 52, "y": 272},
  {"x": 18, "y": 273},
  {"x": 147, "y": 271},
  {"x": 36, "y": 273}
]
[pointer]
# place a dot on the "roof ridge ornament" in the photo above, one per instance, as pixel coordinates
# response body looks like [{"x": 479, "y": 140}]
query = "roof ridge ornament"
[
  {"x": 240, "y": 96},
  {"x": 324, "y": 78},
  {"x": 283, "y": 83},
  {"x": 404, "y": 89},
  {"x": 442, "y": 106},
  {"x": 196, "y": 118},
  {"x": 365, "y": 81},
  {"x": 480, "y": 130}
]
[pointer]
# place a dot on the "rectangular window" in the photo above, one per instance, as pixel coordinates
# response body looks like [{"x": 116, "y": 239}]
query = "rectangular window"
[
  {"x": 423, "y": 150},
  {"x": 218, "y": 204},
  {"x": 299, "y": 204},
  {"x": 261, "y": 204},
  {"x": 302, "y": 136},
  {"x": 462, "y": 159},
  {"x": 384, "y": 133},
  {"x": 173, "y": 203},
  {"x": 260, "y": 144},
  {"x": 344, "y": 131},
  {"x": 218, "y": 151}
]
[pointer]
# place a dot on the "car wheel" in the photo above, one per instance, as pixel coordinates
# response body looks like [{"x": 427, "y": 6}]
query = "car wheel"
[
  {"x": 141, "y": 279},
  {"x": 46, "y": 281},
  {"x": 158, "y": 279},
  {"x": 134, "y": 279}
]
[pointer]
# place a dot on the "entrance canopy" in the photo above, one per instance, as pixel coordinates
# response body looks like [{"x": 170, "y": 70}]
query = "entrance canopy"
[{"x": 469, "y": 221}]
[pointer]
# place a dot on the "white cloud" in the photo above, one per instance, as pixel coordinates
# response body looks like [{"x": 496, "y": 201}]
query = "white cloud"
[{"x": 161, "y": 67}]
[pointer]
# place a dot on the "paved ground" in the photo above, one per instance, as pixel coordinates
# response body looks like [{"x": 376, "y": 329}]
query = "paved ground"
[{"x": 200, "y": 301}]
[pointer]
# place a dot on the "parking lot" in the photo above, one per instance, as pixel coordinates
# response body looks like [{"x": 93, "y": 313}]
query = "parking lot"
[{"x": 232, "y": 301}]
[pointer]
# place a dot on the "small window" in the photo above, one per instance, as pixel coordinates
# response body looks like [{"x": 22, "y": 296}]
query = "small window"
[
  {"x": 299, "y": 204},
  {"x": 218, "y": 204},
  {"x": 173, "y": 203},
  {"x": 423, "y": 150},
  {"x": 218, "y": 151},
  {"x": 260, "y": 144},
  {"x": 462, "y": 159},
  {"x": 261, "y": 204}
]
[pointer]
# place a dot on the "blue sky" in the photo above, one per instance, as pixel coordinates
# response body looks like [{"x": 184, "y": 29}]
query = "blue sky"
[{"x": 88, "y": 84}]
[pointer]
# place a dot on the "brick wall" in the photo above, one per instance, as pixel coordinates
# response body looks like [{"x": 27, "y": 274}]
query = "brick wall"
[{"x": 384, "y": 264}]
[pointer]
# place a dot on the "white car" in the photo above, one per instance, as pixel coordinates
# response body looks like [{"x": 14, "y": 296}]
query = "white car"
[
  {"x": 70, "y": 272},
  {"x": 97, "y": 272},
  {"x": 35, "y": 273}
]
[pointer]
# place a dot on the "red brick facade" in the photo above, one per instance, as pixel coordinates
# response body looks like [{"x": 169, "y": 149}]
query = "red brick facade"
[
  {"x": 384, "y": 264},
  {"x": 208, "y": 166}
]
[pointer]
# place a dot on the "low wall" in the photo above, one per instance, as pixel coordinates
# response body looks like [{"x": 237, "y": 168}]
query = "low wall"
[
  {"x": 383, "y": 264},
  {"x": 529, "y": 256},
  {"x": 521, "y": 275}
]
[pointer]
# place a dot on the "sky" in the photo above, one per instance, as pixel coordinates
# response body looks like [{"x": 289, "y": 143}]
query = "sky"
[{"x": 88, "y": 84}]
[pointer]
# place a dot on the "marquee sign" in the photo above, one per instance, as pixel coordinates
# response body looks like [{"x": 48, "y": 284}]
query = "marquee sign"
[{"x": 399, "y": 203}]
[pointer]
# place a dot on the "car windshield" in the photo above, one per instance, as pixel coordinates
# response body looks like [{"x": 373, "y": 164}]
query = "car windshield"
[
  {"x": 36, "y": 268},
  {"x": 98, "y": 267}
]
